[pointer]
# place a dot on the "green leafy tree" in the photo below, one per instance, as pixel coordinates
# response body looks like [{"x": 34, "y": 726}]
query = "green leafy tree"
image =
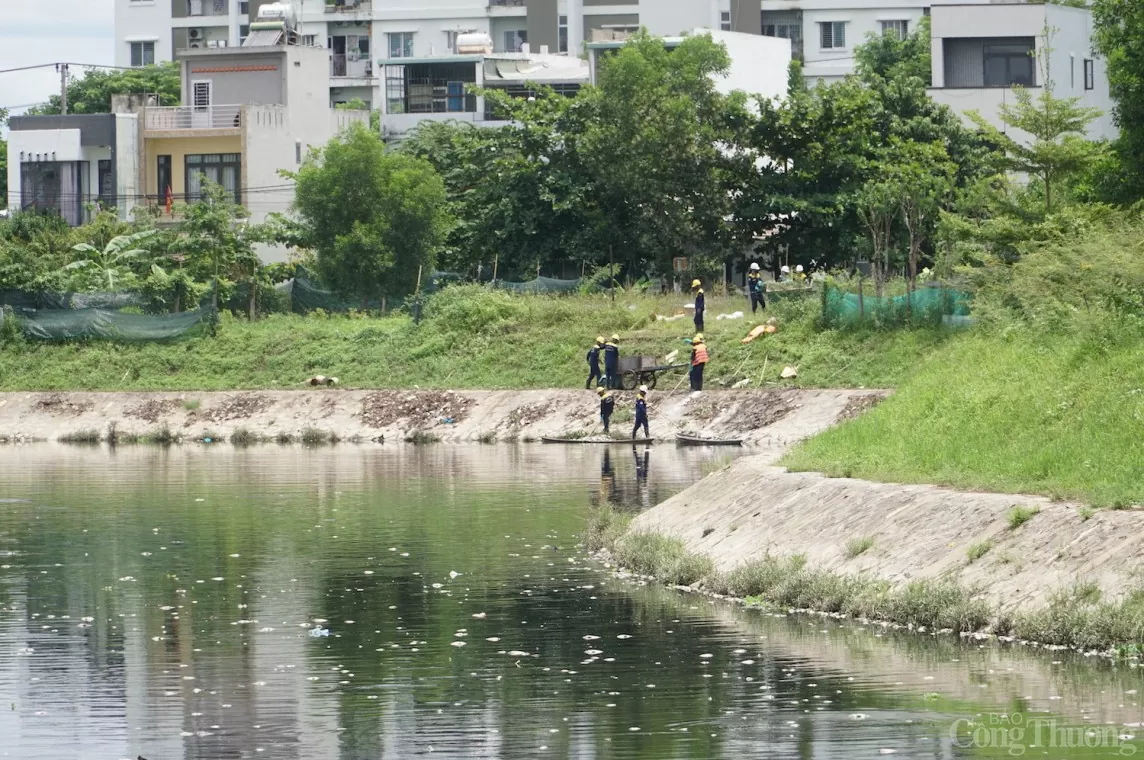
[
  {"x": 922, "y": 177},
  {"x": 375, "y": 218},
  {"x": 888, "y": 56},
  {"x": 1058, "y": 150},
  {"x": 112, "y": 262},
  {"x": 1119, "y": 37},
  {"x": 92, "y": 92}
]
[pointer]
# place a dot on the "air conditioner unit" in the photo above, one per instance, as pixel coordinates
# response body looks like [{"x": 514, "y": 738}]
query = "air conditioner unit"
[
  {"x": 195, "y": 33},
  {"x": 195, "y": 45}
]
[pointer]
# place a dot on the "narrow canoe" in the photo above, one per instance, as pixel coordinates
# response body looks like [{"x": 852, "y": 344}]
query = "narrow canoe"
[
  {"x": 601, "y": 441},
  {"x": 683, "y": 439}
]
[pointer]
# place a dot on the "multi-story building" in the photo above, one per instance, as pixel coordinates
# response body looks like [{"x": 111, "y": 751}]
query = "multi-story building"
[
  {"x": 357, "y": 33},
  {"x": 980, "y": 53},
  {"x": 247, "y": 113}
]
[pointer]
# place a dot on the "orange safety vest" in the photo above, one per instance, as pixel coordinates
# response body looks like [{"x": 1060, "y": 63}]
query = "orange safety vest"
[{"x": 699, "y": 355}]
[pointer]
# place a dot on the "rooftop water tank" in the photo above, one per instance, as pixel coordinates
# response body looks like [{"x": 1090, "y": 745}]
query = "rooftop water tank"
[{"x": 474, "y": 43}]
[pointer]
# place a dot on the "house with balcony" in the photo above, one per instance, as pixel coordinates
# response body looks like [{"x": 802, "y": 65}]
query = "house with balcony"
[
  {"x": 981, "y": 53},
  {"x": 247, "y": 113},
  {"x": 441, "y": 88}
]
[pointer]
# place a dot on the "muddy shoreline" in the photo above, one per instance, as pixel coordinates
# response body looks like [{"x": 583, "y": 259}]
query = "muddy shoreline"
[{"x": 767, "y": 420}]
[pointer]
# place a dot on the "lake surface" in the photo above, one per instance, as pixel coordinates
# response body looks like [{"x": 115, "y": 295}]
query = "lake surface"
[{"x": 392, "y": 602}]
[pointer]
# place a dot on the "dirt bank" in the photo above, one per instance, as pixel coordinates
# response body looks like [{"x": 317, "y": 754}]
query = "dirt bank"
[
  {"x": 750, "y": 509},
  {"x": 769, "y": 420}
]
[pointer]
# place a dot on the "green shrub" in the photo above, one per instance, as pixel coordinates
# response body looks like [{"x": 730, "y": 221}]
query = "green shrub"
[
  {"x": 858, "y": 546},
  {"x": 979, "y": 550},
  {"x": 1018, "y": 516}
]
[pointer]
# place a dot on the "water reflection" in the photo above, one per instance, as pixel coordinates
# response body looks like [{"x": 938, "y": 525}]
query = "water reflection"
[{"x": 158, "y": 602}]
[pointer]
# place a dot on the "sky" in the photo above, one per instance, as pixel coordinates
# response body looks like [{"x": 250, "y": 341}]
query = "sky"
[{"x": 47, "y": 31}]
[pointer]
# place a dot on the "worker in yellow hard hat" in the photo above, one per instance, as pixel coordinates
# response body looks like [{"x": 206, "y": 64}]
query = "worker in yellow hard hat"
[
  {"x": 641, "y": 413},
  {"x": 612, "y": 363},
  {"x": 594, "y": 363},
  {"x": 700, "y": 304},
  {"x": 607, "y": 406},
  {"x": 698, "y": 361}
]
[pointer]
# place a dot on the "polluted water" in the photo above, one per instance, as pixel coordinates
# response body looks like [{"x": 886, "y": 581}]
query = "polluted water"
[{"x": 389, "y": 602}]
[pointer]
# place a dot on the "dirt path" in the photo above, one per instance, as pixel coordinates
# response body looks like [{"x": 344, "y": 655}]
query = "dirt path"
[{"x": 768, "y": 419}]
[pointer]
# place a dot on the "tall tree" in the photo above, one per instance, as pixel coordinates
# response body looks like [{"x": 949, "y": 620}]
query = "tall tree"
[
  {"x": 92, "y": 92},
  {"x": 375, "y": 218},
  {"x": 1119, "y": 38},
  {"x": 1058, "y": 149}
]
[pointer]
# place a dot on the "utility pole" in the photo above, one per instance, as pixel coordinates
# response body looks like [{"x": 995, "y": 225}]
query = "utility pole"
[{"x": 63, "y": 69}]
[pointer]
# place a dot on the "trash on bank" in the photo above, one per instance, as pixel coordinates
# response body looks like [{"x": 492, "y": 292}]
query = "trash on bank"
[{"x": 789, "y": 372}]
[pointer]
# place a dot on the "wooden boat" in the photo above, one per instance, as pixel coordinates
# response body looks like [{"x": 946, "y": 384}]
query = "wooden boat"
[
  {"x": 686, "y": 439},
  {"x": 600, "y": 441}
]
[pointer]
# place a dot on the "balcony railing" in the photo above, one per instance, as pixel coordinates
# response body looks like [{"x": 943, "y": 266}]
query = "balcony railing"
[
  {"x": 506, "y": 3},
  {"x": 349, "y": 6},
  {"x": 342, "y": 65},
  {"x": 197, "y": 8},
  {"x": 192, "y": 117}
]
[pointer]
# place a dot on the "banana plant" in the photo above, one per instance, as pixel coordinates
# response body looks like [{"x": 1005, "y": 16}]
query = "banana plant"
[{"x": 114, "y": 257}]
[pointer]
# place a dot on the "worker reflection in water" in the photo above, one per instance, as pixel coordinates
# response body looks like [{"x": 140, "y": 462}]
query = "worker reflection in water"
[
  {"x": 594, "y": 363},
  {"x": 643, "y": 465},
  {"x": 641, "y": 413},
  {"x": 698, "y": 362},
  {"x": 607, "y": 406},
  {"x": 607, "y": 479},
  {"x": 612, "y": 363},
  {"x": 700, "y": 304}
]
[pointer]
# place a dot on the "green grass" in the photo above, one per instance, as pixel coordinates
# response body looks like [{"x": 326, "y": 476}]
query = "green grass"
[
  {"x": 81, "y": 437},
  {"x": 471, "y": 338},
  {"x": 1018, "y": 516},
  {"x": 858, "y": 546},
  {"x": 1013, "y": 411},
  {"x": 979, "y": 550}
]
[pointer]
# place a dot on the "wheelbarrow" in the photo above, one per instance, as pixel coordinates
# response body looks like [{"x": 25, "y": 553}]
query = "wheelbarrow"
[{"x": 643, "y": 370}]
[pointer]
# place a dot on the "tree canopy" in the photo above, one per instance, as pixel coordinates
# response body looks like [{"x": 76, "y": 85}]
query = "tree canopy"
[
  {"x": 375, "y": 218},
  {"x": 1119, "y": 37},
  {"x": 92, "y": 92}
]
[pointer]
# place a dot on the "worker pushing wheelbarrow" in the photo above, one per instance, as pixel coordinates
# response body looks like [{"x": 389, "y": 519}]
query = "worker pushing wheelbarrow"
[{"x": 643, "y": 370}]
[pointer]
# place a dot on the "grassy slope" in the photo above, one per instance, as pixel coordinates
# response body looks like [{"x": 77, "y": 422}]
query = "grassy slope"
[
  {"x": 1063, "y": 417},
  {"x": 470, "y": 340}
]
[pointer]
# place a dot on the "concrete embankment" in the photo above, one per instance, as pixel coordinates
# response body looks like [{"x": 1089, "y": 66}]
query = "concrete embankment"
[
  {"x": 767, "y": 419},
  {"x": 751, "y": 509}
]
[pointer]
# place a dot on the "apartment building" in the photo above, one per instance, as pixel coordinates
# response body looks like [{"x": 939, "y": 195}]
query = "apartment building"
[
  {"x": 981, "y": 52},
  {"x": 358, "y": 33}
]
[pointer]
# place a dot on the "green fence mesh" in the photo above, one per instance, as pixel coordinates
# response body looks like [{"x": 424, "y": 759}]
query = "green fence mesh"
[
  {"x": 104, "y": 324},
  {"x": 307, "y": 294},
  {"x": 539, "y": 285},
  {"x": 21, "y": 299},
  {"x": 935, "y": 304}
]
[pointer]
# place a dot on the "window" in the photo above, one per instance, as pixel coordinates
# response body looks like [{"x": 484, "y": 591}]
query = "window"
[
  {"x": 1089, "y": 74},
  {"x": 395, "y": 89},
  {"x": 243, "y": 33},
  {"x": 310, "y": 40},
  {"x": 832, "y": 35},
  {"x": 792, "y": 32},
  {"x": 163, "y": 173},
  {"x": 1009, "y": 65},
  {"x": 451, "y": 41},
  {"x": 201, "y": 95},
  {"x": 514, "y": 40},
  {"x": 243, "y": 8},
  {"x": 223, "y": 168},
  {"x": 899, "y": 29},
  {"x": 400, "y": 44},
  {"x": 106, "y": 188},
  {"x": 1072, "y": 71},
  {"x": 142, "y": 53},
  {"x": 725, "y": 20},
  {"x": 562, "y": 34}
]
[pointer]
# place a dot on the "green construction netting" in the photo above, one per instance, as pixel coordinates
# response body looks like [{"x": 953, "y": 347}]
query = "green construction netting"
[
  {"x": 307, "y": 294},
  {"x": 104, "y": 324},
  {"x": 22, "y": 299},
  {"x": 539, "y": 285},
  {"x": 935, "y": 304}
]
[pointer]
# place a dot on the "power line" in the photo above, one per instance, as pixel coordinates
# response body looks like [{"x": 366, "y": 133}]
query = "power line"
[{"x": 69, "y": 63}]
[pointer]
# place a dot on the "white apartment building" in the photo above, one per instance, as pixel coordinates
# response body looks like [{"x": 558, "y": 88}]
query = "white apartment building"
[
  {"x": 980, "y": 52},
  {"x": 358, "y": 33}
]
